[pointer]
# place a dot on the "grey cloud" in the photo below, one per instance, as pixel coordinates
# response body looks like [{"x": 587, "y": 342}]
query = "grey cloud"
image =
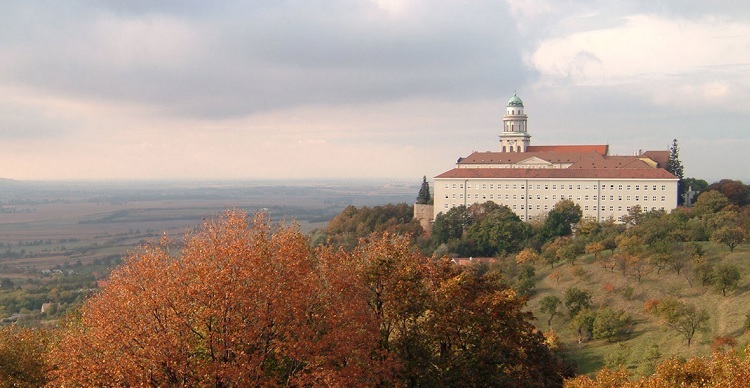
[{"x": 261, "y": 56}]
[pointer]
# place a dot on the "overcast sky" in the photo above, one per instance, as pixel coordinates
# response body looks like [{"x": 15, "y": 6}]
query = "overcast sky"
[{"x": 372, "y": 89}]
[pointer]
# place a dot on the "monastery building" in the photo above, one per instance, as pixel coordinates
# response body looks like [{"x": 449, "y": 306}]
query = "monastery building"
[{"x": 531, "y": 179}]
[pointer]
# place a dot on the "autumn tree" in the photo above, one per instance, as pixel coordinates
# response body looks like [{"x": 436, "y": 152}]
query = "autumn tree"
[
  {"x": 736, "y": 192},
  {"x": 241, "y": 304}
]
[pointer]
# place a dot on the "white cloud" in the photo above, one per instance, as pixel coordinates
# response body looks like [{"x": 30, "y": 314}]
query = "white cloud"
[{"x": 673, "y": 61}]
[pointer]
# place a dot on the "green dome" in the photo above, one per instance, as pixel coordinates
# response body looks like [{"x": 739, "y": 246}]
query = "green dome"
[{"x": 515, "y": 101}]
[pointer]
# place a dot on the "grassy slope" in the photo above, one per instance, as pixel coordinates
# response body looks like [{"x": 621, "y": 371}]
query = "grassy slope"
[{"x": 727, "y": 313}]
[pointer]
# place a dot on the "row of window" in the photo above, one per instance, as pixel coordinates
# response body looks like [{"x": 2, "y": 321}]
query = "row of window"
[
  {"x": 585, "y": 208},
  {"x": 554, "y": 186},
  {"x": 554, "y": 197}
]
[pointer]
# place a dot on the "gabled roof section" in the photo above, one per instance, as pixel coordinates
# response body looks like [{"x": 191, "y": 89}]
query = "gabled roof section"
[
  {"x": 534, "y": 160},
  {"x": 601, "y": 149},
  {"x": 660, "y": 157},
  {"x": 556, "y": 173}
]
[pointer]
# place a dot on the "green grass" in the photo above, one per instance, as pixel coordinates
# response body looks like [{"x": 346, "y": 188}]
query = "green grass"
[{"x": 727, "y": 312}]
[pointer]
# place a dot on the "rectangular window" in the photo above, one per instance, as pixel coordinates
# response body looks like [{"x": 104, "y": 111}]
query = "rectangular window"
[
  {"x": 587, "y": 187},
  {"x": 446, "y": 196},
  {"x": 636, "y": 187},
  {"x": 446, "y": 205},
  {"x": 611, "y": 197},
  {"x": 585, "y": 197},
  {"x": 653, "y": 198},
  {"x": 522, "y": 207},
  {"x": 492, "y": 196},
  {"x": 595, "y": 187},
  {"x": 538, "y": 196},
  {"x": 538, "y": 207},
  {"x": 578, "y": 197},
  {"x": 594, "y": 207},
  {"x": 493, "y": 186},
  {"x": 645, "y": 187},
  {"x": 663, "y": 187},
  {"x": 595, "y": 198},
  {"x": 522, "y": 187},
  {"x": 611, "y": 208},
  {"x": 546, "y": 207},
  {"x": 514, "y": 187},
  {"x": 627, "y": 209},
  {"x": 627, "y": 198},
  {"x": 514, "y": 207},
  {"x": 523, "y": 196},
  {"x": 454, "y": 185},
  {"x": 619, "y": 187},
  {"x": 636, "y": 197},
  {"x": 484, "y": 185},
  {"x": 578, "y": 187},
  {"x": 554, "y": 187},
  {"x": 654, "y": 188},
  {"x": 663, "y": 198},
  {"x": 546, "y": 187},
  {"x": 507, "y": 186},
  {"x": 619, "y": 208},
  {"x": 570, "y": 187},
  {"x": 454, "y": 195},
  {"x": 446, "y": 186},
  {"x": 538, "y": 187},
  {"x": 611, "y": 187},
  {"x": 461, "y": 196},
  {"x": 476, "y": 196},
  {"x": 619, "y": 197},
  {"x": 461, "y": 186},
  {"x": 586, "y": 207}
]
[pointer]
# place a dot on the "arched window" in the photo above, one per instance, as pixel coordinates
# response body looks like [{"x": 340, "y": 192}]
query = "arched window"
[
  {"x": 503, "y": 148},
  {"x": 513, "y": 112}
]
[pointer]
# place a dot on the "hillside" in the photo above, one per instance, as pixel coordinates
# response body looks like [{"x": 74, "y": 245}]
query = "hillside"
[{"x": 610, "y": 288}]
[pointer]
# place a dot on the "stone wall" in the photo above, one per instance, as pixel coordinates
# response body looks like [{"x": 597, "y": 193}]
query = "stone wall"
[{"x": 423, "y": 214}]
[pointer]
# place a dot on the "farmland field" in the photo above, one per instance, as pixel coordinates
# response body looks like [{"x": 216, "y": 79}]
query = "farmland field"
[{"x": 46, "y": 225}]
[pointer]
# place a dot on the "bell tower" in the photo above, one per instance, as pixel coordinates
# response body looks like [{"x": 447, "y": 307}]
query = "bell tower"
[{"x": 514, "y": 137}]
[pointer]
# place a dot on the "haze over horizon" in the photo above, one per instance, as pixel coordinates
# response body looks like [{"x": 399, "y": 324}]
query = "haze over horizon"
[{"x": 189, "y": 90}]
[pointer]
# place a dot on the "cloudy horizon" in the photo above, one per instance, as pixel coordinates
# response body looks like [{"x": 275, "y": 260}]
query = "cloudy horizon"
[{"x": 362, "y": 89}]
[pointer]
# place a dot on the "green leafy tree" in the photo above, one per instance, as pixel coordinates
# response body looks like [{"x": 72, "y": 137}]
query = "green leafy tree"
[
  {"x": 686, "y": 319},
  {"x": 498, "y": 231},
  {"x": 549, "y": 305},
  {"x": 731, "y": 236},
  {"x": 709, "y": 202},
  {"x": 609, "y": 324},
  {"x": 725, "y": 277},
  {"x": 561, "y": 218},
  {"x": 576, "y": 300},
  {"x": 583, "y": 323},
  {"x": 424, "y": 193},
  {"x": 450, "y": 225}
]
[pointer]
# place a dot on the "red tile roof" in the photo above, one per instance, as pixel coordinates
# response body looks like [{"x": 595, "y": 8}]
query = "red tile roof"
[
  {"x": 556, "y": 173},
  {"x": 515, "y": 157},
  {"x": 601, "y": 149}
]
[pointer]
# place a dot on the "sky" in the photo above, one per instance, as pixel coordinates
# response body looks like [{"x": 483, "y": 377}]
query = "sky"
[{"x": 381, "y": 89}]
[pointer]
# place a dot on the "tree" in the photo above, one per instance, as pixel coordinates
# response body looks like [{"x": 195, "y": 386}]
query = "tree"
[
  {"x": 549, "y": 305},
  {"x": 561, "y": 218},
  {"x": 709, "y": 202},
  {"x": 450, "y": 225},
  {"x": 576, "y": 300},
  {"x": 241, "y": 304},
  {"x": 527, "y": 256},
  {"x": 424, "y": 193},
  {"x": 497, "y": 231},
  {"x": 725, "y": 277},
  {"x": 736, "y": 192},
  {"x": 22, "y": 352},
  {"x": 609, "y": 323},
  {"x": 731, "y": 236},
  {"x": 684, "y": 318},
  {"x": 674, "y": 167}
]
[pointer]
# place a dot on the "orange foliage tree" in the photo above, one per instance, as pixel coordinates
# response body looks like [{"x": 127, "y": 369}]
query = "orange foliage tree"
[
  {"x": 239, "y": 305},
  {"x": 250, "y": 305}
]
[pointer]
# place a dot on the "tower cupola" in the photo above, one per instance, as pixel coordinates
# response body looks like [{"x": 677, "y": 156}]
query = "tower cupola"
[{"x": 514, "y": 137}]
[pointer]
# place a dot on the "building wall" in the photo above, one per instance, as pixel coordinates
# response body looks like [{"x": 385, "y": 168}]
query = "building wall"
[
  {"x": 424, "y": 214},
  {"x": 599, "y": 199}
]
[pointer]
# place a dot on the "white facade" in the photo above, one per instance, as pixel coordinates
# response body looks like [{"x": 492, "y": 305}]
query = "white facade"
[
  {"x": 600, "y": 199},
  {"x": 531, "y": 180}
]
